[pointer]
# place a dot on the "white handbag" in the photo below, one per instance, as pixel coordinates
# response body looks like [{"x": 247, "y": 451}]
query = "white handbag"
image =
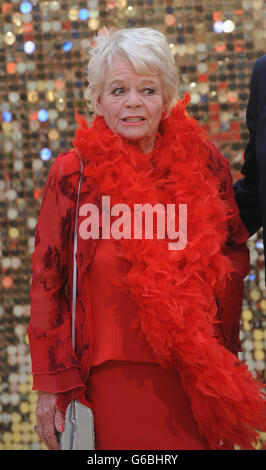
[{"x": 78, "y": 433}]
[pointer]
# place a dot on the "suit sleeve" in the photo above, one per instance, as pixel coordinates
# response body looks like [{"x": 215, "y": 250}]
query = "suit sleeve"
[
  {"x": 247, "y": 188},
  {"x": 55, "y": 367}
]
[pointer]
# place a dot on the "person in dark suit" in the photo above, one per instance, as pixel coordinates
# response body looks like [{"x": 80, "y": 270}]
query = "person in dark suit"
[{"x": 250, "y": 191}]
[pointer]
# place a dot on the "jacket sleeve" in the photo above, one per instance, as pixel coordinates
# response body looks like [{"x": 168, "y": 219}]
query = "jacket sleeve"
[
  {"x": 55, "y": 367},
  {"x": 247, "y": 188},
  {"x": 230, "y": 298}
]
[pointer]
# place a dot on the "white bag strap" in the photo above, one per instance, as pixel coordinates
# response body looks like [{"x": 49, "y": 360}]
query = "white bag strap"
[
  {"x": 74, "y": 288},
  {"x": 79, "y": 434}
]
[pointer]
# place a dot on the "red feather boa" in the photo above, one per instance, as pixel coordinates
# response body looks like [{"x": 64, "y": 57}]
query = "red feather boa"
[{"x": 176, "y": 290}]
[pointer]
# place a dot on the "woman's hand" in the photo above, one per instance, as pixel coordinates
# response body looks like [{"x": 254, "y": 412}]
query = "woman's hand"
[{"x": 49, "y": 419}]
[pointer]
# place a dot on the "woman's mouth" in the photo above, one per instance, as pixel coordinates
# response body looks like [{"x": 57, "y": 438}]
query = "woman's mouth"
[{"x": 133, "y": 120}]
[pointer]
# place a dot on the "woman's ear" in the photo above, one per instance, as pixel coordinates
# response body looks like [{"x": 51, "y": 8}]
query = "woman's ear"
[{"x": 99, "y": 107}]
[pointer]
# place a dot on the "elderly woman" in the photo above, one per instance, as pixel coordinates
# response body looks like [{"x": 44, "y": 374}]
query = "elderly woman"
[{"x": 157, "y": 316}]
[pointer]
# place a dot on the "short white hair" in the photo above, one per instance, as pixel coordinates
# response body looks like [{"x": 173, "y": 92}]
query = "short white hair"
[{"x": 146, "y": 49}]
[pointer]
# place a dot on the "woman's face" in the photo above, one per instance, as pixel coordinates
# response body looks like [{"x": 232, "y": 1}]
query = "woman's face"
[{"x": 132, "y": 104}]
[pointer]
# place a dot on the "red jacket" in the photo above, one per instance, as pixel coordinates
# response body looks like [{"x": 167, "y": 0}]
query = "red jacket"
[{"x": 55, "y": 366}]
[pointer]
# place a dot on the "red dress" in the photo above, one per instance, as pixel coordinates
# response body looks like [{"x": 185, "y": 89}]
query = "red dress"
[{"x": 126, "y": 384}]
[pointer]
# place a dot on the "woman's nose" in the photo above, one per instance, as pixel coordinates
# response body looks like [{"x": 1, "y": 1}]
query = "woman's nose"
[{"x": 133, "y": 99}]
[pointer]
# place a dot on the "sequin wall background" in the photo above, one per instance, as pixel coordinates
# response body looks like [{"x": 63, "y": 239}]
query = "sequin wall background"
[{"x": 42, "y": 58}]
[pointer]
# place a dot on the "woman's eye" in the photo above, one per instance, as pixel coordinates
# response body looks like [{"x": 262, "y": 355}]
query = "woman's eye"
[
  {"x": 149, "y": 91},
  {"x": 118, "y": 91}
]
